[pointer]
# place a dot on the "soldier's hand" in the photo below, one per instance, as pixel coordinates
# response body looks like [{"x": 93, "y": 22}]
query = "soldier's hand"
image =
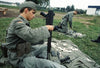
[{"x": 50, "y": 27}]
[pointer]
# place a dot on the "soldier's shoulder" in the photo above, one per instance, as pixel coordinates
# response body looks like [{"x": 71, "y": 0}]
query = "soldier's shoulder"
[
  {"x": 70, "y": 12},
  {"x": 17, "y": 20}
]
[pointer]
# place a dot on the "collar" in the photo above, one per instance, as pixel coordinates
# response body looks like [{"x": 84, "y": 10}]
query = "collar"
[{"x": 25, "y": 21}]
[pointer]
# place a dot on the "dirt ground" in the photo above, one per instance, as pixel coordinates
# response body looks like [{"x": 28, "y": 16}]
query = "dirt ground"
[
  {"x": 10, "y": 13},
  {"x": 15, "y": 13}
]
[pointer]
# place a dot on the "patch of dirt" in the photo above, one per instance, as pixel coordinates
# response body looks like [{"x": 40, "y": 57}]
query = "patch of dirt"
[
  {"x": 84, "y": 20},
  {"x": 87, "y": 23},
  {"x": 15, "y": 13},
  {"x": 10, "y": 13},
  {"x": 58, "y": 16}
]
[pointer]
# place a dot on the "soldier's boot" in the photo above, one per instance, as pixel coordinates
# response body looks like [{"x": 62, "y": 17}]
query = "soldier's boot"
[{"x": 97, "y": 40}]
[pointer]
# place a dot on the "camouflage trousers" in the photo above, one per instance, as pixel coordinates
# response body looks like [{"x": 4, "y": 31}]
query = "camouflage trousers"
[
  {"x": 64, "y": 25},
  {"x": 33, "y": 62},
  {"x": 37, "y": 59}
]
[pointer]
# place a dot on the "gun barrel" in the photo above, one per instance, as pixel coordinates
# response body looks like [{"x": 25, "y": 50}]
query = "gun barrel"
[
  {"x": 49, "y": 21},
  {"x": 43, "y": 14}
]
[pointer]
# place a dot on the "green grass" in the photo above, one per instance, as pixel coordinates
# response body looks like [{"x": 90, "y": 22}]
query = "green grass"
[
  {"x": 4, "y": 23},
  {"x": 90, "y": 48}
]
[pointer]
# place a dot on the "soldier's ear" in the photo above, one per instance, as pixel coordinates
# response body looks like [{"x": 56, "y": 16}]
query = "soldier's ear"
[{"x": 26, "y": 10}]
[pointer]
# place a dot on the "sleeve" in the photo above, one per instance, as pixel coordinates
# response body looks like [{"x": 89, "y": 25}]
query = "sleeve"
[
  {"x": 29, "y": 34},
  {"x": 66, "y": 16},
  {"x": 70, "y": 16}
]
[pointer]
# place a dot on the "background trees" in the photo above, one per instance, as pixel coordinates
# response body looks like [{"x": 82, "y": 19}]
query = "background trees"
[
  {"x": 42, "y": 3},
  {"x": 70, "y": 8}
]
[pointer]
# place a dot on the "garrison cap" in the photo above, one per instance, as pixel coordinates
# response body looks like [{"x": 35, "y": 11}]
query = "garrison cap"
[{"x": 28, "y": 4}]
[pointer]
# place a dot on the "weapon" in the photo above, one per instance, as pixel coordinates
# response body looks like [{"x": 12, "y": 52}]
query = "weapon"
[{"x": 49, "y": 21}]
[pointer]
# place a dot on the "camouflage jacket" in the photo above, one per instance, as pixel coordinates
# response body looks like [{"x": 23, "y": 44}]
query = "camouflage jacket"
[
  {"x": 69, "y": 16},
  {"x": 19, "y": 32}
]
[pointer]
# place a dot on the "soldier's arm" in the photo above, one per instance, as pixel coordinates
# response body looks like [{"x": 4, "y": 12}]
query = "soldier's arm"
[
  {"x": 31, "y": 35},
  {"x": 70, "y": 19},
  {"x": 65, "y": 16},
  {"x": 70, "y": 24}
]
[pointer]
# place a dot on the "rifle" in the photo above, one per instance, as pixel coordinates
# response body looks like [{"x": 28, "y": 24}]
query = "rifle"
[{"x": 49, "y": 21}]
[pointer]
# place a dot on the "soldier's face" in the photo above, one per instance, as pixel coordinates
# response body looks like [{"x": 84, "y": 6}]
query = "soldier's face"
[{"x": 30, "y": 15}]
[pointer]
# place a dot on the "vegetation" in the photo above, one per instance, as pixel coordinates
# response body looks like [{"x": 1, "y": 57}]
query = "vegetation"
[
  {"x": 43, "y": 3},
  {"x": 89, "y": 25},
  {"x": 92, "y": 31},
  {"x": 70, "y": 8}
]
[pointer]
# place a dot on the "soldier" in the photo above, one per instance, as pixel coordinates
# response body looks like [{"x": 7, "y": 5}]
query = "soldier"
[
  {"x": 24, "y": 43},
  {"x": 63, "y": 26}
]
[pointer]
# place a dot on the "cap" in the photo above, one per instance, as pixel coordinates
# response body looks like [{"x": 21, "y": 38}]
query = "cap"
[{"x": 28, "y": 4}]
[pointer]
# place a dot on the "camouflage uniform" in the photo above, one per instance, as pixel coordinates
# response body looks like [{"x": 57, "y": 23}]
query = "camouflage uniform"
[
  {"x": 22, "y": 33},
  {"x": 64, "y": 23}
]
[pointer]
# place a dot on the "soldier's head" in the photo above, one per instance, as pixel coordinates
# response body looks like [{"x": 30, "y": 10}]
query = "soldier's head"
[
  {"x": 28, "y": 10},
  {"x": 75, "y": 12}
]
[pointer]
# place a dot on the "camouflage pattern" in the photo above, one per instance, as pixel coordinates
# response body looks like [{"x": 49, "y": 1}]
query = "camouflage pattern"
[
  {"x": 63, "y": 26},
  {"x": 75, "y": 57},
  {"x": 19, "y": 32},
  {"x": 75, "y": 34},
  {"x": 22, "y": 32},
  {"x": 64, "y": 23}
]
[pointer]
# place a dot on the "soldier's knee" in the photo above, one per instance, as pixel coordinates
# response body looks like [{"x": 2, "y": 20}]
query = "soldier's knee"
[{"x": 28, "y": 62}]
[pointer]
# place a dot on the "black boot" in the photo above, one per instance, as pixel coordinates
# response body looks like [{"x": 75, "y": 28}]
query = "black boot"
[{"x": 97, "y": 40}]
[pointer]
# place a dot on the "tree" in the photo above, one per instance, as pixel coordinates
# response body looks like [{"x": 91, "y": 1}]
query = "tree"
[
  {"x": 43, "y": 3},
  {"x": 72, "y": 8},
  {"x": 63, "y": 9},
  {"x": 68, "y": 8},
  {"x": 36, "y": 1}
]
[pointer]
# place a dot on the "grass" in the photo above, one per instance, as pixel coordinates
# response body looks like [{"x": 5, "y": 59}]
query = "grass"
[
  {"x": 92, "y": 31},
  {"x": 90, "y": 48},
  {"x": 4, "y": 24}
]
